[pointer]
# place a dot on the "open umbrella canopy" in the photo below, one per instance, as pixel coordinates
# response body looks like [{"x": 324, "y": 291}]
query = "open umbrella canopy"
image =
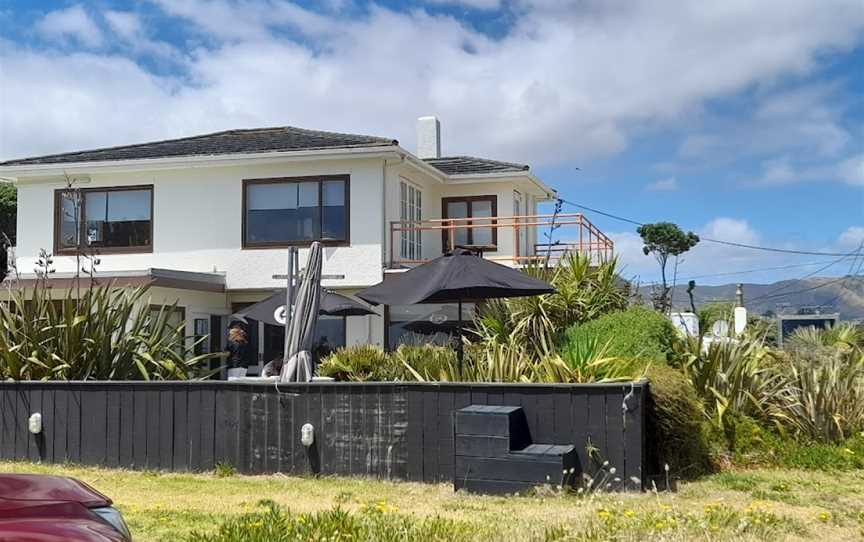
[
  {"x": 272, "y": 310},
  {"x": 456, "y": 276}
]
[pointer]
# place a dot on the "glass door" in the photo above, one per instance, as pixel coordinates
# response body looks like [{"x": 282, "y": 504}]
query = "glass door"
[{"x": 464, "y": 233}]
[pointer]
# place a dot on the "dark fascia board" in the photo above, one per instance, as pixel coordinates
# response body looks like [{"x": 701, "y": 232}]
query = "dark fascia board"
[{"x": 163, "y": 278}]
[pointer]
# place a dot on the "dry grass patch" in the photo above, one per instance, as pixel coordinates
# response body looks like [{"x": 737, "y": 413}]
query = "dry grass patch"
[{"x": 750, "y": 505}]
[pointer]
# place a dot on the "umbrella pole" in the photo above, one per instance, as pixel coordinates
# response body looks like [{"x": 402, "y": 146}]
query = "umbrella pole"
[
  {"x": 289, "y": 300},
  {"x": 459, "y": 347}
]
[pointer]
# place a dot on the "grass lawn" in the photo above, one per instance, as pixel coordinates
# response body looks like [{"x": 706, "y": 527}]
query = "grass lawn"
[{"x": 744, "y": 505}]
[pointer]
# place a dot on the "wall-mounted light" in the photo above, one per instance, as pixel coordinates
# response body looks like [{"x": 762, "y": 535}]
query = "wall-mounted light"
[
  {"x": 307, "y": 435},
  {"x": 35, "y": 423}
]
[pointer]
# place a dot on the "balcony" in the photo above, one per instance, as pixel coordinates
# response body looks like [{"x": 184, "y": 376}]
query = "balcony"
[{"x": 511, "y": 240}]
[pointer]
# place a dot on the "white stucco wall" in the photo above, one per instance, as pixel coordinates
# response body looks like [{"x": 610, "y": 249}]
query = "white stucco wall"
[{"x": 197, "y": 214}]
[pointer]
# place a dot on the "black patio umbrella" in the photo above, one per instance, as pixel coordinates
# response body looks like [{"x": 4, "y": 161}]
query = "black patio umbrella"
[
  {"x": 455, "y": 277},
  {"x": 272, "y": 309}
]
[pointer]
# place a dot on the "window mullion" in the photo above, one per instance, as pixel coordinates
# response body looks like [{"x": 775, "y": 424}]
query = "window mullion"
[
  {"x": 80, "y": 199},
  {"x": 469, "y": 211},
  {"x": 320, "y": 235}
]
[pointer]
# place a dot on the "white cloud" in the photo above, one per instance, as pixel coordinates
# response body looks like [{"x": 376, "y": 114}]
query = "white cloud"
[
  {"x": 851, "y": 170},
  {"x": 124, "y": 23},
  {"x": 730, "y": 229},
  {"x": 570, "y": 81},
  {"x": 476, "y": 4},
  {"x": 664, "y": 185},
  {"x": 807, "y": 120},
  {"x": 130, "y": 30},
  {"x": 72, "y": 23},
  {"x": 852, "y": 237},
  {"x": 784, "y": 170}
]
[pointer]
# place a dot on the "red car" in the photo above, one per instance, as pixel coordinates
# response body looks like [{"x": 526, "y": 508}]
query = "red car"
[{"x": 38, "y": 508}]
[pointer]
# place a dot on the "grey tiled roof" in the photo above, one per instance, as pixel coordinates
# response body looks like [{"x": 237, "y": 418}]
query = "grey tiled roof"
[
  {"x": 466, "y": 165},
  {"x": 257, "y": 140}
]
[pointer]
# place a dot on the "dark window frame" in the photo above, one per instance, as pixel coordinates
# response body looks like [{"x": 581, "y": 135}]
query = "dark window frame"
[
  {"x": 320, "y": 179},
  {"x": 493, "y": 199},
  {"x": 64, "y": 251}
]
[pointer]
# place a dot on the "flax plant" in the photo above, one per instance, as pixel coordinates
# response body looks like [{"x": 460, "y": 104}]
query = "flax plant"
[
  {"x": 106, "y": 333},
  {"x": 823, "y": 401},
  {"x": 732, "y": 377},
  {"x": 587, "y": 360},
  {"x": 584, "y": 291}
]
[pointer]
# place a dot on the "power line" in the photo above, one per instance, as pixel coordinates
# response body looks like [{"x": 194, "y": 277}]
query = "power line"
[
  {"x": 768, "y": 295},
  {"x": 756, "y": 270},
  {"x": 610, "y": 215},
  {"x": 852, "y": 273},
  {"x": 830, "y": 282},
  {"x": 718, "y": 241},
  {"x": 781, "y": 250}
]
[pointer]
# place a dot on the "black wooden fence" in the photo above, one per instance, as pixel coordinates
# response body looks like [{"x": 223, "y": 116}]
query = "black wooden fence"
[{"x": 385, "y": 430}]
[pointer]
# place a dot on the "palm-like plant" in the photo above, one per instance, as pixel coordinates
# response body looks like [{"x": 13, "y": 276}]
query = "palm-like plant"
[
  {"x": 842, "y": 335},
  {"x": 583, "y": 292}
]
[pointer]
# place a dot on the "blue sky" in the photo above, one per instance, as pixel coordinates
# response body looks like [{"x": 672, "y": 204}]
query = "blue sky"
[{"x": 739, "y": 120}]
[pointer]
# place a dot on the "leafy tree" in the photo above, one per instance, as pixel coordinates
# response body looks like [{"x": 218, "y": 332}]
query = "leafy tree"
[
  {"x": 665, "y": 239},
  {"x": 8, "y": 211}
]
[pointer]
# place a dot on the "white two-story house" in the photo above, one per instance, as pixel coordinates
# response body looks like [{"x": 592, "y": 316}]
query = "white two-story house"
[{"x": 206, "y": 220}]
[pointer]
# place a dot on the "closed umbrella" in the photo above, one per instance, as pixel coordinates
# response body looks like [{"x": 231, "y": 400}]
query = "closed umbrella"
[
  {"x": 455, "y": 277},
  {"x": 300, "y": 335},
  {"x": 272, "y": 310}
]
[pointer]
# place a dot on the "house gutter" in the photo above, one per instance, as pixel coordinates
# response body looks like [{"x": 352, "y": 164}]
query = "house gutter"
[{"x": 549, "y": 192}]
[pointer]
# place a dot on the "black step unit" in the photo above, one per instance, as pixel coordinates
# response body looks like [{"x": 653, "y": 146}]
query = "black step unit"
[{"x": 494, "y": 453}]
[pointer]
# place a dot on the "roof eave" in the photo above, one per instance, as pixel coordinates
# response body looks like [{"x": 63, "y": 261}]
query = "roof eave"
[
  {"x": 15, "y": 173},
  {"x": 465, "y": 178},
  {"x": 419, "y": 164}
]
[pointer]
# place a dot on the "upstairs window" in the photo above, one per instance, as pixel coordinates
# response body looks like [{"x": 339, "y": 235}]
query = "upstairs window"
[
  {"x": 105, "y": 219},
  {"x": 285, "y": 212},
  {"x": 411, "y": 216}
]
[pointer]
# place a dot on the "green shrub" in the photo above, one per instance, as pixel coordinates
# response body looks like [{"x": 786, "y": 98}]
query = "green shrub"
[
  {"x": 377, "y": 522},
  {"x": 676, "y": 431},
  {"x": 748, "y": 443},
  {"x": 358, "y": 363},
  {"x": 848, "y": 455},
  {"x": 637, "y": 332},
  {"x": 583, "y": 292},
  {"x": 109, "y": 333},
  {"x": 586, "y": 359},
  {"x": 496, "y": 362},
  {"x": 426, "y": 362}
]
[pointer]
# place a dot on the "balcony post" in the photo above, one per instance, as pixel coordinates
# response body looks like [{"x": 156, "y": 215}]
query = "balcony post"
[
  {"x": 392, "y": 257},
  {"x": 451, "y": 235}
]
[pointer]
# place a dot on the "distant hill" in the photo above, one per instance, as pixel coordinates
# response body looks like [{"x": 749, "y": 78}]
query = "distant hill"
[{"x": 836, "y": 294}]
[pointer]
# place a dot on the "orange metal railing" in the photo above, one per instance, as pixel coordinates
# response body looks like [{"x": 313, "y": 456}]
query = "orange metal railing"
[{"x": 586, "y": 238}]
